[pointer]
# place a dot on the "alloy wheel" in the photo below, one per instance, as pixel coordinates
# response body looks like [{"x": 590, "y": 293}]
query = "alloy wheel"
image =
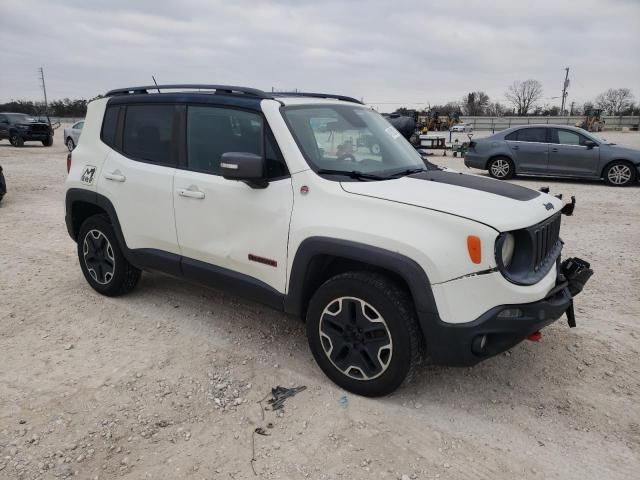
[
  {"x": 500, "y": 168},
  {"x": 98, "y": 256},
  {"x": 619, "y": 174},
  {"x": 355, "y": 338}
]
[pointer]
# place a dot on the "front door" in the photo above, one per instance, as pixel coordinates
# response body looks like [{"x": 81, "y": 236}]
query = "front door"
[
  {"x": 530, "y": 149},
  {"x": 569, "y": 154},
  {"x": 226, "y": 225}
]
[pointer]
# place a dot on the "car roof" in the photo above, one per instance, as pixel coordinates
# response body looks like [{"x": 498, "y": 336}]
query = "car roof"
[
  {"x": 543, "y": 125},
  {"x": 230, "y": 91}
]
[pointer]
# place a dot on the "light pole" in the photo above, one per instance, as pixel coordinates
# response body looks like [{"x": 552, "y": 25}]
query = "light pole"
[{"x": 564, "y": 89}]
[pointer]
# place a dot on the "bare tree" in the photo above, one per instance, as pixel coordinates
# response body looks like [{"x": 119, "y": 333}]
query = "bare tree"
[
  {"x": 615, "y": 100},
  {"x": 495, "y": 109},
  {"x": 524, "y": 95},
  {"x": 475, "y": 103}
]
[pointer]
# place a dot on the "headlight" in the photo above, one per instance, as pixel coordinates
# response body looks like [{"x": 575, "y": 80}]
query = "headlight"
[
  {"x": 23, "y": 127},
  {"x": 508, "y": 246}
]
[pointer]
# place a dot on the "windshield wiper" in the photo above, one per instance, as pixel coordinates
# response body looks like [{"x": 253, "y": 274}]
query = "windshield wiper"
[
  {"x": 351, "y": 174},
  {"x": 409, "y": 171}
]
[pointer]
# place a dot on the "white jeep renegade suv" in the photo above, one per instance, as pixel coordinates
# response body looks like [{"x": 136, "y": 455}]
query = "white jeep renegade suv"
[{"x": 315, "y": 205}]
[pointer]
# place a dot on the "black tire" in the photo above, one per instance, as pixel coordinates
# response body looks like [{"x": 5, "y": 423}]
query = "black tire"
[
  {"x": 3, "y": 185},
  {"x": 501, "y": 168},
  {"x": 620, "y": 174},
  {"x": 95, "y": 256},
  {"x": 47, "y": 142},
  {"x": 397, "y": 340},
  {"x": 16, "y": 140},
  {"x": 70, "y": 144}
]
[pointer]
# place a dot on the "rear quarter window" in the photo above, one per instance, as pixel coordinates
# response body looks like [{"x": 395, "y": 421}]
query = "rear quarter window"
[{"x": 110, "y": 126}]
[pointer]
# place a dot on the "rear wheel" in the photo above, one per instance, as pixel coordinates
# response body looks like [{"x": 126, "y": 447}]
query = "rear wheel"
[
  {"x": 363, "y": 332},
  {"x": 16, "y": 140},
  {"x": 620, "y": 174},
  {"x": 501, "y": 168},
  {"x": 101, "y": 259}
]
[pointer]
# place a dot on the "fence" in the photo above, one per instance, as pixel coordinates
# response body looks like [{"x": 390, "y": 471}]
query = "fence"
[{"x": 500, "y": 123}]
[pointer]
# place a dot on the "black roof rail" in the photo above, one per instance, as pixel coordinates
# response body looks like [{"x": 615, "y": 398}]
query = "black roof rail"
[
  {"x": 195, "y": 86},
  {"x": 317, "y": 95}
]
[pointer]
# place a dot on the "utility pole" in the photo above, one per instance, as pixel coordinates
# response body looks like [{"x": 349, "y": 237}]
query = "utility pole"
[
  {"x": 564, "y": 90},
  {"x": 44, "y": 89}
]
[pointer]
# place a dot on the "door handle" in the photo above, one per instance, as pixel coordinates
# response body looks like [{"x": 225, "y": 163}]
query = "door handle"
[
  {"x": 554, "y": 149},
  {"x": 191, "y": 192},
  {"x": 115, "y": 176},
  {"x": 516, "y": 147}
]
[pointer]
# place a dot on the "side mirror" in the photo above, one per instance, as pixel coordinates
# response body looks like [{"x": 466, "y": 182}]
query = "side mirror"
[
  {"x": 590, "y": 144},
  {"x": 244, "y": 166}
]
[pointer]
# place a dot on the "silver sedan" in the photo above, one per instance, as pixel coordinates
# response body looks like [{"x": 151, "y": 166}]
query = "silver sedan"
[
  {"x": 553, "y": 150},
  {"x": 72, "y": 134}
]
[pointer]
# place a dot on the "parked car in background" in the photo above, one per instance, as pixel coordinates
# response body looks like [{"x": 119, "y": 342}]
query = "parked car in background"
[
  {"x": 20, "y": 127},
  {"x": 72, "y": 134},
  {"x": 462, "y": 127},
  {"x": 553, "y": 150}
]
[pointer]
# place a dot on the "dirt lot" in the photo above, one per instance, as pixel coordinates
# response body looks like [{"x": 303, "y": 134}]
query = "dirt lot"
[{"x": 163, "y": 383}]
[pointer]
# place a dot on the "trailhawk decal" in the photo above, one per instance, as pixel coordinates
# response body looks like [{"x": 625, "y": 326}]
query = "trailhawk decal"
[{"x": 87, "y": 175}]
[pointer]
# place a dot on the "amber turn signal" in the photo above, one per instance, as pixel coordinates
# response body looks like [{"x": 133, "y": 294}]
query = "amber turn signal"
[{"x": 474, "y": 248}]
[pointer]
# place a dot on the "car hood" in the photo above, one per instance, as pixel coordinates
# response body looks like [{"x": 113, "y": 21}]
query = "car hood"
[
  {"x": 498, "y": 204},
  {"x": 626, "y": 152}
]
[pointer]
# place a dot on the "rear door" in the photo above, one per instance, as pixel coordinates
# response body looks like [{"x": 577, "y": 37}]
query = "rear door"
[
  {"x": 137, "y": 175},
  {"x": 530, "y": 149},
  {"x": 569, "y": 155}
]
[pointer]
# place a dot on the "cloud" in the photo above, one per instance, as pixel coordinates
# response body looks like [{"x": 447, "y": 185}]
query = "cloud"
[{"x": 381, "y": 51}]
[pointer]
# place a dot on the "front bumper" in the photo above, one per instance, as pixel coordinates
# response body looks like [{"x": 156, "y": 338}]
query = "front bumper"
[
  {"x": 36, "y": 136},
  {"x": 504, "y": 326}
]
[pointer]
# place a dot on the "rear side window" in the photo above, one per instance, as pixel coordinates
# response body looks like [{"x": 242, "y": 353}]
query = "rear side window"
[
  {"x": 213, "y": 131},
  {"x": 110, "y": 125},
  {"x": 538, "y": 135},
  {"x": 150, "y": 133}
]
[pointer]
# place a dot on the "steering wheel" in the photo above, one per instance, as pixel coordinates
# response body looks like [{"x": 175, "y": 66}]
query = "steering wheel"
[{"x": 348, "y": 157}]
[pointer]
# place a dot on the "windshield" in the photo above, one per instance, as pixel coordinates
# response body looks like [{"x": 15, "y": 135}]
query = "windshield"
[
  {"x": 19, "y": 117},
  {"x": 349, "y": 138}
]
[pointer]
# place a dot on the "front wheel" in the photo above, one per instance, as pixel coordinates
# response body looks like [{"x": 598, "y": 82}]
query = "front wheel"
[
  {"x": 16, "y": 140},
  {"x": 501, "y": 168},
  {"x": 70, "y": 144},
  {"x": 47, "y": 142},
  {"x": 101, "y": 259},
  {"x": 619, "y": 174},
  {"x": 363, "y": 332}
]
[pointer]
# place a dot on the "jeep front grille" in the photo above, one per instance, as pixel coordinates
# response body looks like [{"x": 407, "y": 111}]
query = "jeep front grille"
[{"x": 544, "y": 237}]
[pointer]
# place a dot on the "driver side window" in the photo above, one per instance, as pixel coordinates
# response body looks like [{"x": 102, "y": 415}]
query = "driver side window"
[{"x": 566, "y": 137}]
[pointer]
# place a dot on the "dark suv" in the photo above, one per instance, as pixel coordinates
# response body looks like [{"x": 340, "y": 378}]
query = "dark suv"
[{"x": 20, "y": 127}]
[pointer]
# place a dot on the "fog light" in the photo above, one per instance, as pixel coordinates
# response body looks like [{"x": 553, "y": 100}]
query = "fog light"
[
  {"x": 510, "y": 313},
  {"x": 479, "y": 344}
]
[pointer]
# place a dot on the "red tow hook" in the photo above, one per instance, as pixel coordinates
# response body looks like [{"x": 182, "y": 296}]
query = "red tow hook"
[{"x": 535, "y": 336}]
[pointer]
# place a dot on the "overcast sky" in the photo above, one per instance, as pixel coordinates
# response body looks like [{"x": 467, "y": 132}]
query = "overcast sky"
[{"x": 383, "y": 51}]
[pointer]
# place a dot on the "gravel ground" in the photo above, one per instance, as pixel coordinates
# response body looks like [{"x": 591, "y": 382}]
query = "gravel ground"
[{"x": 164, "y": 383}]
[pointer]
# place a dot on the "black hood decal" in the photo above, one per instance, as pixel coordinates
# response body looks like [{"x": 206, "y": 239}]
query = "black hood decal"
[{"x": 476, "y": 182}]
